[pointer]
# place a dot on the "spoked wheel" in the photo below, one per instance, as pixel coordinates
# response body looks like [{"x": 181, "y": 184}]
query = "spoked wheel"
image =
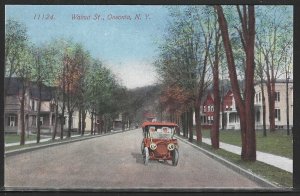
[
  {"x": 175, "y": 157},
  {"x": 142, "y": 147},
  {"x": 146, "y": 156}
]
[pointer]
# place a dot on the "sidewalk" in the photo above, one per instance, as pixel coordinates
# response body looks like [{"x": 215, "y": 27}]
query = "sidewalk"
[
  {"x": 41, "y": 140},
  {"x": 270, "y": 159}
]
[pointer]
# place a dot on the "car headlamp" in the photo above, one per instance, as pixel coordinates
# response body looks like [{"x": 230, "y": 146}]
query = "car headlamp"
[
  {"x": 153, "y": 146},
  {"x": 171, "y": 146}
]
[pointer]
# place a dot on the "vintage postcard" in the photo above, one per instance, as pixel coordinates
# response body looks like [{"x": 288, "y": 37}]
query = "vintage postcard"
[{"x": 148, "y": 97}]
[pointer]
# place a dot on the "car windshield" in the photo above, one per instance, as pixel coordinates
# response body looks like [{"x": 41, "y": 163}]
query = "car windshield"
[{"x": 161, "y": 132}]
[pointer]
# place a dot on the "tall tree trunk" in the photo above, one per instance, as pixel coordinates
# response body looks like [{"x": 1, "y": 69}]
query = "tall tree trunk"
[
  {"x": 83, "y": 121},
  {"x": 70, "y": 120},
  {"x": 198, "y": 121},
  {"x": 80, "y": 120},
  {"x": 245, "y": 107},
  {"x": 190, "y": 124},
  {"x": 92, "y": 122},
  {"x": 62, "y": 119},
  {"x": 271, "y": 102},
  {"x": 216, "y": 122},
  {"x": 56, "y": 123},
  {"x": 22, "y": 117},
  {"x": 287, "y": 105},
  {"x": 182, "y": 127},
  {"x": 263, "y": 108},
  {"x": 38, "y": 135}
]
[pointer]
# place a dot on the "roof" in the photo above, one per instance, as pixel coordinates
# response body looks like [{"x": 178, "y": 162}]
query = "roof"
[
  {"x": 46, "y": 92},
  {"x": 159, "y": 124},
  {"x": 15, "y": 84}
]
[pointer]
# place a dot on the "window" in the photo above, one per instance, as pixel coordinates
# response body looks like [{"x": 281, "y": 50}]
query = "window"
[
  {"x": 277, "y": 96},
  {"x": 277, "y": 114},
  {"x": 212, "y": 108},
  {"x": 208, "y": 108},
  {"x": 12, "y": 121},
  {"x": 204, "y": 108}
]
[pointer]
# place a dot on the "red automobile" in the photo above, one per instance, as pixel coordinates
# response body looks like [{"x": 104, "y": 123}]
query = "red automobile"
[{"x": 158, "y": 142}]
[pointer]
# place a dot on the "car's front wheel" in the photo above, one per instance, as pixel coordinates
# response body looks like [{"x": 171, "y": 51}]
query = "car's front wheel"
[
  {"x": 146, "y": 155},
  {"x": 175, "y": 157}
]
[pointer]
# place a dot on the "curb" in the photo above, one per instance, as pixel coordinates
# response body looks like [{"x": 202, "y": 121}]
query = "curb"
[
  {"x": 28, "y": 149},
  {"x": 265, "y": 183}
]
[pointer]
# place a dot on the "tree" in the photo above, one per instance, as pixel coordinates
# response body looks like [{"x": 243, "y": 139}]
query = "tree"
[
  {"x": 245, "y": 104},
  {"x": 185, "y": 59},
  {"x": 216, "y": 35},
  {"x": 82, "y": 61},
  {"x": 102, "y": 95},
  {"x": 23, "y": 72},
  {"x": 274, "y": 36},
  {"x": 260, "y": 75},
  {"x": 43, "y": 73},
  {"x": 16, "y": 41}
]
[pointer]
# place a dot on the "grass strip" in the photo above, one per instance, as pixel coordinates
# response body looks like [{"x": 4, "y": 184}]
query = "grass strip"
[
  {"x": 273, "y": 174},
  {"x": 277, "y": 143}
]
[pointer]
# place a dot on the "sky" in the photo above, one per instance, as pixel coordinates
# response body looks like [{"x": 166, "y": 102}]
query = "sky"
[{"x": 124, "y": 38}]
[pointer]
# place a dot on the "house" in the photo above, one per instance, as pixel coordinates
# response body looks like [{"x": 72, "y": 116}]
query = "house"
[
  {"x": 231, "y": 116},
  {"x": 281, "y": 107},
  {"x": 12, "y": 112},
  {"x": 12, "y": 106},
  {"x": 207, "y": 111}
]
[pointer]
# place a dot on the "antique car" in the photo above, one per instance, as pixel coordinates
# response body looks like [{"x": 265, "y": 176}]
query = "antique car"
[{"x": 158, "y": 142}]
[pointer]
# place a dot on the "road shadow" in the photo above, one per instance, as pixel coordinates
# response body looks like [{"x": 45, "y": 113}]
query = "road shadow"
[{"x": 139, "y": 159}]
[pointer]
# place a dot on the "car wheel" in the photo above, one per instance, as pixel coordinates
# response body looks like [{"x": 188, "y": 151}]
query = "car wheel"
[
  {"x": 146, "y": 155},
  {"x": 175, "y": 157},
  {"x": 142, "y": 147}
]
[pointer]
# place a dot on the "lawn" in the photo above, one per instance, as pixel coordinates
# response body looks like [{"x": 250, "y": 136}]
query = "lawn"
[
  {"x": 273, "y": 174},
  {"x": 277, "y": 143},
  {"x": 14, "y": 138}
]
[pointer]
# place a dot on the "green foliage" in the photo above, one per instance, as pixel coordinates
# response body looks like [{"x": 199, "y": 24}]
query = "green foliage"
[
  {"x": 274, "y": 39},
  {"x": 44, "y": 65},
  {"x": 16, "y": 41},
  {"x": 102, "y": 89}
]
